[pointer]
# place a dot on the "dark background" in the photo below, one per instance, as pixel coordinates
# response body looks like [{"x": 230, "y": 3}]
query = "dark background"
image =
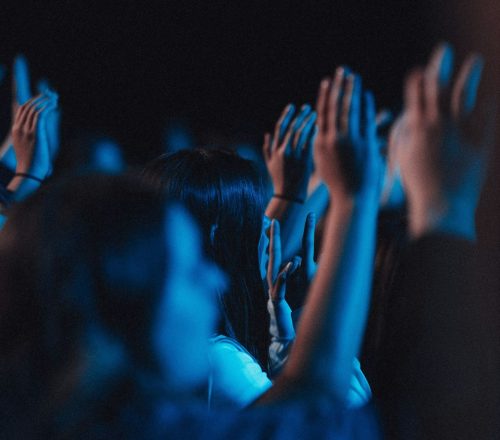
[{"x": 227, "y": 67}]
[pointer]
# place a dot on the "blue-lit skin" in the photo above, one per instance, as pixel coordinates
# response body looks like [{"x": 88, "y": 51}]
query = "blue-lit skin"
[
  {"x": 442, "y": 165},
  {"x": 263, "y": 247},
  {"x": 30, "y": 144},
  {"x": 53, "y": 119},
  {"x": 21, "y": 94},
  {"x": 471, "y": 87},
  {"x": 9, "y": 157},
  {"x": 288, "y": 158},
  {"x": 343, "y": 280},
  {"x": 21, "y": 79},
  {"x": 188, "y": 313},
  {"x": 107, "y": 156}
]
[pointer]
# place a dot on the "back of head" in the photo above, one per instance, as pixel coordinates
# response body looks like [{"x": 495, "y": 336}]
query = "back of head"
[
  {"x": 81, "y": 253},
  {"x": 225, "y": 194}
]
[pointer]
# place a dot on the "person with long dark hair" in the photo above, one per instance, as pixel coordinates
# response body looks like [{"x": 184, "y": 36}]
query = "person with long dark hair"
[{"x": 108, "y": 305}]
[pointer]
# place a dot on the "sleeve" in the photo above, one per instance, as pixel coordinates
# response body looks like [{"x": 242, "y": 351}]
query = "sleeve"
[
  {"x": 282, "y": 332},
  {"x": 237, "y": 378},
  {"x": 439, "y": 361}
]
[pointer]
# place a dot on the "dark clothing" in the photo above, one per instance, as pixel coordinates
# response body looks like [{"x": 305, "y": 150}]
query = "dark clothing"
[
  {"x": 294, "y": 420},
  {"x": 151, "y": 419},
  {"x": 439, "y": 365}
]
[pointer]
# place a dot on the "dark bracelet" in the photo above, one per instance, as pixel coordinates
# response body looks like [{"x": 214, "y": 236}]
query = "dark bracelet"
[
  {"x": 28, "y": 176},
  {"x": 290, "y": 199}
]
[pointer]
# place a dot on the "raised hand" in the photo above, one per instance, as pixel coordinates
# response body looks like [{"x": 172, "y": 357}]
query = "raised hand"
[
  {"x": 346, "y": 150},
  {"x": 308, "y": 267},
  {"x": 21, "y": 93},
  {"x": 288, "y": 153},
  {"x": 298, "y": 284},
  {"x": 443, "y": 161},
  {"x": 276, "y": 278},
  {"x": 30, "y": 137}
]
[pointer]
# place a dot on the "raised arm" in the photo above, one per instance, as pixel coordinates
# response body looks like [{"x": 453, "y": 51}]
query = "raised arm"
[
  {"x": 288, "y": 157},
  {"x": 332, "y": 324},
  {"x": 31, "y": 145},
  {"x": 439, "y": 363}
]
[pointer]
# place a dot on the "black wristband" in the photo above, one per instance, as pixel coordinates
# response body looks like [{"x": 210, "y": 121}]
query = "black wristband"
[
  {"x": 28, "y": 176},
  {"x": 290, "y": 199}
]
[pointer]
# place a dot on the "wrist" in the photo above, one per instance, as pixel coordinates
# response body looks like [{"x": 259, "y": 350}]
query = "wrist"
[
  {"x": 443, "y": 215},
  {"x": 288, "y": 198},
  {"x": 294, "y": 192},
  {"x": 350, "y": 201},
  {"x": 26, "y": 170}
]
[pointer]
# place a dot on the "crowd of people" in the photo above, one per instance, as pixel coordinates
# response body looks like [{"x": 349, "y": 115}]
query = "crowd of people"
[{"x": 186, "y": 300}]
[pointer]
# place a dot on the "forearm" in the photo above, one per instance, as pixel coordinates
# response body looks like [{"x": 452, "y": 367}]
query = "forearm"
[
  {"x": 292, "y": 215},
  {"x": 282, "y": 335},
  {"x": 332, "y": 324},
  {"x": 21, "y": 187}
]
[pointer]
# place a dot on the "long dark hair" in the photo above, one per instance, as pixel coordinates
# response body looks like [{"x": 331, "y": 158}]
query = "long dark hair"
[{"x": 225, "y": 194}]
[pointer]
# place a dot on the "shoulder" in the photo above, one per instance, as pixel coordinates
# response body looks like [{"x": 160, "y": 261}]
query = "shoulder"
[{"x": 236, "y": 375}]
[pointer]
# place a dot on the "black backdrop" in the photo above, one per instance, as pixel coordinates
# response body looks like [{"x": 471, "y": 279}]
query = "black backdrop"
[{"x": 228, "y": 67}]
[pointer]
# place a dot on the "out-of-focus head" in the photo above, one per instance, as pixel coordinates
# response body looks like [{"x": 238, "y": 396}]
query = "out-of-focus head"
[
  {"x": 177, "y": 136},
  {"x": 107, "y": 156},
  {"x": 99, "y": 255},
  {"x": 93, "y": 152},
  {"x": 225, "y": 194}
]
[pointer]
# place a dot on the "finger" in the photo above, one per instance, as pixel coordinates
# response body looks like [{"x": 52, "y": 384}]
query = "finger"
[
  {"x": 370, "y": 126},
  {"x": 288, "y": 141},
  {"x": 274, "y": 251},
  {"x": 308, "y": 146},
  {"x": 464, "y": 94},
  {"x": 35, "y": 109},
  {"x": 266, "y": 146},
  {"x": 296, "y": 262},
  {"x": 334, "y": 98},
  {"x": 321, "y": 103},
  {"x": 304, "y": 134},
  {"x": 46, "y": 110},
  {"x": 362, "y": 380},
  {"x": 308, "y": 241},
  {"x": 21, "y": 80},
  {"x": 357, "y": 394},
  {"x": 354, "y": 110},
  {"x": 279, "y": 288},
  {"x": 23, "y": 111},
  {"x": 437, "y": 79},
  {"x": 384, "y": 119},
  {"x": 42, "y": 86},
  {"x": 414, "y": 94},
  {"x": 282, "y": 126},
  {"x": 346, "y": 103}
]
